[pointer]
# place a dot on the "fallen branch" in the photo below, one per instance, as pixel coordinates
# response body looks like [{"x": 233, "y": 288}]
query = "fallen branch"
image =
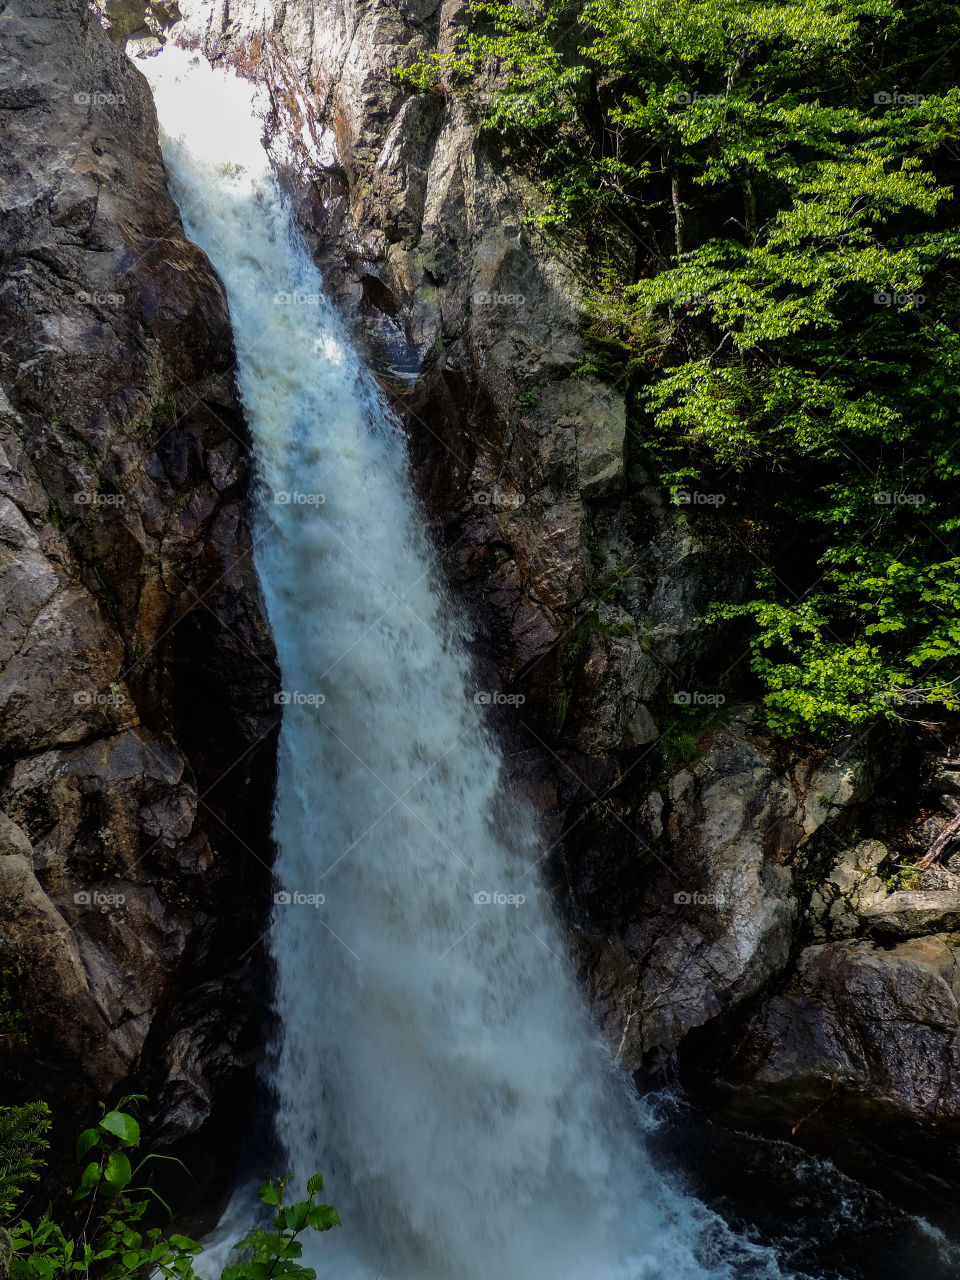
[
  {"x": 822, "y": 1103},
  {"x": 949, "y": 836}
]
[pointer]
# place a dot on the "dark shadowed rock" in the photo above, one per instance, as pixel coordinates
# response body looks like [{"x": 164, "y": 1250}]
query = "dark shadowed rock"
[
  {"x": 884, "y": 1019},
  {"x": 135, "y": 665}
]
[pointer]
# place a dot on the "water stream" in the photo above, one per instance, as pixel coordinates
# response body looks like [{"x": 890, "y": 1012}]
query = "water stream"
[{"x": 437, "y": 1062}]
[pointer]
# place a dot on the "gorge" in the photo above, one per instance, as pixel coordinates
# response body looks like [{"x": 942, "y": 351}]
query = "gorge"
[{"x": 467, "y": 700}]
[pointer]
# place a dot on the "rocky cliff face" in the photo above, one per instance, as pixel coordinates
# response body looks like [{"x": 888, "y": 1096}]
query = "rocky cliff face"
[
  {"x": 720, "y": 891},
  {"x": 694, "y": 893},
  {"x": 136, "y": 670}
]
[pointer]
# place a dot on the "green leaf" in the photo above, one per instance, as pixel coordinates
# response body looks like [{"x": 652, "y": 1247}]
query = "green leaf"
[
  {"x": 89, "y": 1139},
  {"x": 122, "y": 1126},
  {"x": 88, "y": 1180},
  {"x": 250, "y": 1271},
  {"x": 185, "y": 1244},
  {"x": 117, "y": 1172},
  {"x": 322, "y": 1217},
  {"x": 315, "y": 1184},
  {"x": 271, "y": 1193},
  {"x": 294, "y": 1216}
]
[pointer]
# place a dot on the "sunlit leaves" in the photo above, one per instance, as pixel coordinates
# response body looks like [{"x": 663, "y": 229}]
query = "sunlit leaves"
[{"x": 788, "y": 311}]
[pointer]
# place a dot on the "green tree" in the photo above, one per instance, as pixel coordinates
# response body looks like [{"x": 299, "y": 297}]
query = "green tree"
[{"x": 765, "y": 193}]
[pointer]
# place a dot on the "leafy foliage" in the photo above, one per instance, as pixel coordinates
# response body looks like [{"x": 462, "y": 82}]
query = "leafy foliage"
[
  {"x": 111, "y": 1240},
  {"x": 765, "y": 192},
  {"x": 23, "y": 1140}
]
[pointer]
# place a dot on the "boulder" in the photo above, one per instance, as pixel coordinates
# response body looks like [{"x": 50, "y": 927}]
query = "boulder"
[{"x": 884, "y": 1018}]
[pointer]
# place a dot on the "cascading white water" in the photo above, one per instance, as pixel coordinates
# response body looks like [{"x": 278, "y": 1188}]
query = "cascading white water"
[{"x": 437, "y": 1062}]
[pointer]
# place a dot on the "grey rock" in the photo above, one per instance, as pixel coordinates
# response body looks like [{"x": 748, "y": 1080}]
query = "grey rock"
[
  {"x": 885, "y": 1019},
  {"x": 910, "y": 913},
  {"x": 721, "y": 925}
]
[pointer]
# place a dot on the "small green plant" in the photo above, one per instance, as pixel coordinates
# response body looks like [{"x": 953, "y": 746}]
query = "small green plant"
[
  {"x": 23, "y": 1141},
  {"x": 11, "y": 1014},
  {"x": 898, "y": 876},
  {"x": 611, "y": 587},
  {"x": 426, "y": 73},
  {"x": 626, "y": 628},
  {"x": 677, "y": 746},
  {"x": 163, "y": 411},
  {"x": 111, "y": 1241},
  {"x": 276, "y": 1253}
]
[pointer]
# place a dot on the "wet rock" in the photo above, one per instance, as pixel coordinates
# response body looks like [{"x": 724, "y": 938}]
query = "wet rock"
[
  {"x": 885, "y": 1019},
  {"x": 130, "y": 615},
  {"x": 720, "y": 924}
]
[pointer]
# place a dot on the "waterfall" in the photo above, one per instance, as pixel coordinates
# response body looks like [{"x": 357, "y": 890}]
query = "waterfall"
[{"x": 437, "y": 1061}]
